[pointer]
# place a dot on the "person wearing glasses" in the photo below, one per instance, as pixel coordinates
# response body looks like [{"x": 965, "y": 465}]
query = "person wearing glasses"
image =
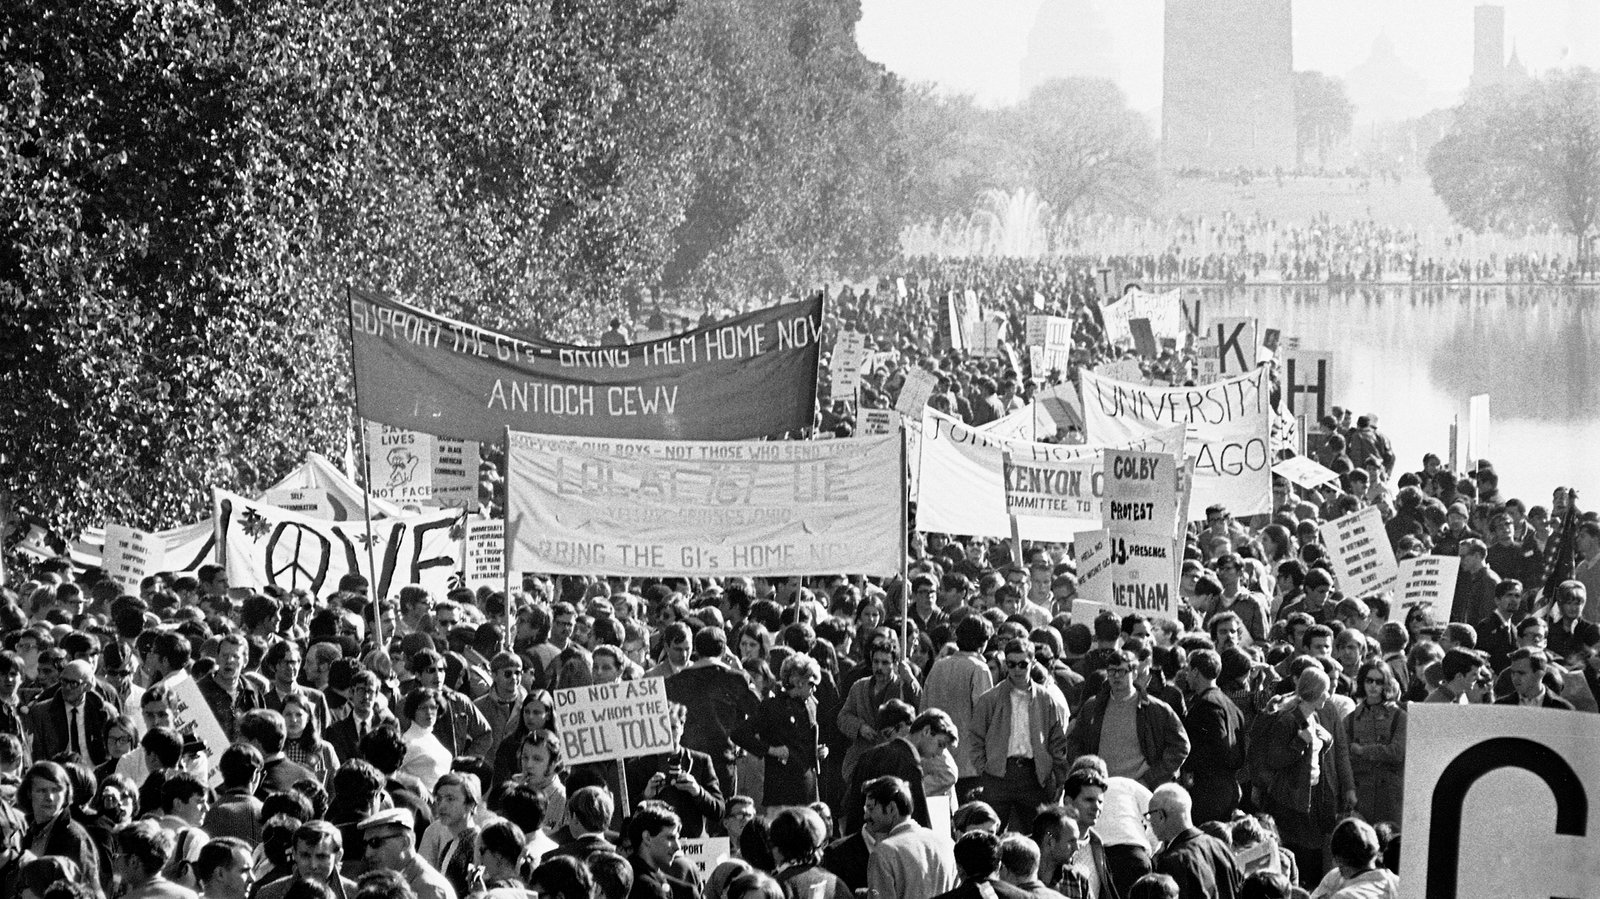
[
  {"x": 74, "y": 719},
  {"x": 1018, "y": 735},
  {"x": 1201, "y": 864},
  {"x": 1377, "y": 732},
  {"x": 1138, "y": 735},
  {"x": 389, "y": 837},
  {"x": 783, "y": 730}
]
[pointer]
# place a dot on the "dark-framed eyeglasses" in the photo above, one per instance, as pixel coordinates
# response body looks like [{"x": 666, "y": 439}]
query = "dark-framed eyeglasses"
[{"x": 1017, "y": 663}]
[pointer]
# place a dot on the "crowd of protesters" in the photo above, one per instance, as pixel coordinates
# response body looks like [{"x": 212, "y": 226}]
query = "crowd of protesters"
[{"x": 1251, "y": 746}]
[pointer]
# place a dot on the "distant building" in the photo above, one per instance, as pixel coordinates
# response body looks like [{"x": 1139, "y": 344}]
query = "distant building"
[
  {"x": 1069, "y": 39},
  {"x": 1228, "y": 85},
  {"x": 1488, "y": 46}
]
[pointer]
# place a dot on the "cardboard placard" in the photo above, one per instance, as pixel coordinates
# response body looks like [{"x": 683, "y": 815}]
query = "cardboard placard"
[
  {"x": 620, "y": 720},
  {"x": 1359, "y": 548},
  {"x": 1426, "y": 581}
]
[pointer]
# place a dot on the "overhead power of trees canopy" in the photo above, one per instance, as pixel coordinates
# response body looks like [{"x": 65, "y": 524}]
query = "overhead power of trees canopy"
[
  {"x": 187, "y": 186},
  {"x": 1525, "y": 156}
]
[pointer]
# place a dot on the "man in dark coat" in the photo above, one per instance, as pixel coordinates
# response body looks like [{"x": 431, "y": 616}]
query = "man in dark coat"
[
  {"x": 910, "y": 740},
  {"x": 977, "y": 860},
  {"x": 683, "y": 778},
  {"x": 1216, "y": 741},
  {"x": 264, "y": 729},
  {"x": 1203, "y": 867},
  {"x": 717, "y": 700},
  {"x": 75, "y": 718}
]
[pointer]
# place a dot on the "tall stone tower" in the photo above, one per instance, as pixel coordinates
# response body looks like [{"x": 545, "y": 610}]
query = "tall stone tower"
[
  {"x": 1228, "y": 85},
  {"x": 1488, "y": 46}
]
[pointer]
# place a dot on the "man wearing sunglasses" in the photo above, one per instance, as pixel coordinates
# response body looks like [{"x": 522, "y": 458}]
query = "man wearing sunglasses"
[
  {"x": 1018, "y": 737},
  {"x": 389, "y": 837}
]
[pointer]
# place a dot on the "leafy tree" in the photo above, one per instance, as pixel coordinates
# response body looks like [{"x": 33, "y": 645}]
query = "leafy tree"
[
  {"x": 1525, "y": 155},
  {"x": 1323, "y": 115},
  {"x": 1082, "y": 148}
]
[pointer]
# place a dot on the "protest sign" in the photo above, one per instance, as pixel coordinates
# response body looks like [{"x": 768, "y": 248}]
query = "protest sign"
[
  {"x": 1085, "y": 611},
  {"x": 752, "y": 375},
  {"x": 879, "y": 421},
  {"x": 1305, "y": 471},
  {"x": 940, "y": 813},
  {"x": 1227, "y": 349},
  {"x": 1164, "y": 311},
  {"x": 261, "y": 545},
  {"x": 484, "y": 555},
  {"x": 705, "y": 853},
  {"x": 1228, "y": 431},
  {"x": 844, "y": 366},
  {"x": 1308, "y": 381},
  {"x": 1127, "y": 370},
  {"x": 1059, "y": 404},
  {"x": 1263, "y": 856},
  {"x": 414, "y": 468},
  {"x": 1144, "y": 339},
  {"x": 620, "y": 720},
  {"x": 191, "y": 714},
  {"x": 1052, "y": 335},
  {"x": 961, "y": 478},
  {"x": 344, "y": 495},
  {"x": 1471, "y": 768},
  {"x": 991, "y": 329},
  {"x": 914, "y": 393},
  {"x": 1093, "y": 552},
  {"x": 1425, "y": 581},
  {"x": 1477, "y": 428},
  {"x": 654, "y": 507},
  {"x": 1359, "y": 548},
  {"x": 130, "y": 555},
  {"x": 1142, "y": 514}
]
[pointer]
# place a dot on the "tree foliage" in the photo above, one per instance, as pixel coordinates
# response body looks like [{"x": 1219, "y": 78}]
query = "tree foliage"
[
  {"x": 1074, "y": 141},
  {"x": 1524, "y": 155},
  {"x": 186, "y": 187},
  {"x": 1323, "y": 114}
]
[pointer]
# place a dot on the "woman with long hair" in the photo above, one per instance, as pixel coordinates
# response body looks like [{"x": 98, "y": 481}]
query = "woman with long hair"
[
  {"x": 303, "y": 743},
  {"x": 1377, "y": 732},
  {"x": 426, "y": 758},
  {"x": 753, "y": 641},
  {"x": 540, "y": 767},
  {"x": 537, "y": 713}
]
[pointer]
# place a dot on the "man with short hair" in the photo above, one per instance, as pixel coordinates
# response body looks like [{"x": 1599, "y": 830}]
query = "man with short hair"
[
  {"x": 364, "y": 717},
  {"x": 1250, "y": 606},
  {"x": 140, "y": 852},
  {"x": 415, "y": 607},
  {"x": 502, "y": 703},
  {"x": 977, "y": 858},
  {"x": 1138, "y": 735},
  {"x": 318, "y": 852},
  {"x": 1019, "y": 866},
  {"x": 589, "y": 812},
  {"x": 682, "y": 778},
  {"x": 225, "y": 869},
  {"x": 74, "y": 719},
  {"x": 1019, "y": 739},
  {"x": 677, "y": 651},
  {"x": 716, "y": 701},
  {"x": 1496, "y": 631},
  {"x": 1527, "y": 669},
  {"x": 1216, "y": 740},
  {"x": 1059, "y": 839},
  {"x": 1464, "y": 678},
  {"x": 1475, "y": 585},
  {"x": 460, "y": 726},
  {"x": 654, "y": 834},
  {"x": 954, "y": 685},
  {"x": 390, "y": 838},
  {"x": 909, "y": 861},
  {"x": 1201, "y": 864},
  {"x": 226, "y": 690},
  {"x": 908, "y": 743},
  {"x": 237, "y": 812},
  {"x": 264, "y": 729}
]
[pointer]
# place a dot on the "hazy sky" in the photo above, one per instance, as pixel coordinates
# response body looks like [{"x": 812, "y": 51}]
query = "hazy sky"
[{"x": 977, "y": 46}]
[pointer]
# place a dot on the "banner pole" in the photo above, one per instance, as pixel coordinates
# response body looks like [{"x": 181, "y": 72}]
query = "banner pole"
[
  {"x": 505, "y": 548},
  {"x": 366, "y": 471},
  {"x": 1016, "y": 531},
  {"x": 905, "y": 538}
]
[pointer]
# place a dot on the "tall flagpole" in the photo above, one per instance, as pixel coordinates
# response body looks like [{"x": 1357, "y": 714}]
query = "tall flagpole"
[
  {"x": 905, "y": 539},
  {"x": 366, "y": 472}
]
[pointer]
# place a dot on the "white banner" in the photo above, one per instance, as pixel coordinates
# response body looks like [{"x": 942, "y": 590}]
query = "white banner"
[
  {"x": 484, "y": 555},
  {"x": 1228, "y": 426},
  {"x": 1143, "y": 492},
  {"x": 1052, "y": 335},
  {"x": 130, "y": 555},
  {"x": 619, "y": 720},
  {"x": 1359, "y": 549},
  {"x": 1426, "y": 581},
  {"x": 1471, "y": 769},
  {"x": 1019, "y": 425},
  {"x": 581, "y": 505},
  {"x": 1073, "y": 489},
  {"x": 262, "y": 545},
  {"x": 961, "y": 479}
]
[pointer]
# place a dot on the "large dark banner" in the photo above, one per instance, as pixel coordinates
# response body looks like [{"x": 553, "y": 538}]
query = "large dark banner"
[{"x": 754, "y": 375}]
